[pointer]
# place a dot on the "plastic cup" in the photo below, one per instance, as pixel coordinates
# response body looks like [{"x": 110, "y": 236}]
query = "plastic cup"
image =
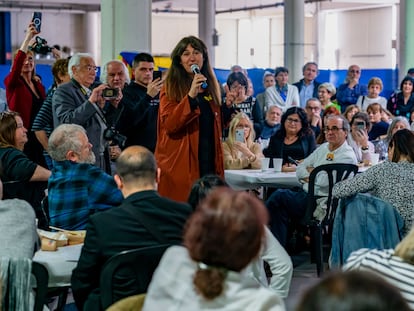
[
  {"x": 374, "y": 158},
  {"x": 277, "y": 164},
  {"x": 265, "y": 164}
]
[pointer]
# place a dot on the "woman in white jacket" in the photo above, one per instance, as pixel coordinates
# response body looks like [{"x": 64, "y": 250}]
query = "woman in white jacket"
[{"x": 282, "y": 94}]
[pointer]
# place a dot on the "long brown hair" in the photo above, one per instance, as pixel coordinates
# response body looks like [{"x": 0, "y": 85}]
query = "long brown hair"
[
  {"x": 403, "y": 143},
  {"x": 178, "y": 81},
  {"x": 8, "y": 128}
]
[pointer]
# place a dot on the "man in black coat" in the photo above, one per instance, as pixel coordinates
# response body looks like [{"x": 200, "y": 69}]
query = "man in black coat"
[{"x": 120, "y": 228}]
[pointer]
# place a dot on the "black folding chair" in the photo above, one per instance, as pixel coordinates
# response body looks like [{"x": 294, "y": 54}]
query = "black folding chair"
[
  {"x": 129, "y": 273},
  {"x": 321, "y": 231}
]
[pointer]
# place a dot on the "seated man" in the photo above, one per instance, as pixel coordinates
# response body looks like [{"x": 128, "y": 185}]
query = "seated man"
[
  {"x": 313, "y": 111},
  {"x": 119, "y": 229},
  {"x": 285, "y": 204},
  {"x": 77, "y": 188},
  {"x": 272, "y": 121}
]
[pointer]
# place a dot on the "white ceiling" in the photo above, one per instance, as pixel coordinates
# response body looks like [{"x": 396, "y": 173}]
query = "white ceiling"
[{"x": 176, "y": 5}]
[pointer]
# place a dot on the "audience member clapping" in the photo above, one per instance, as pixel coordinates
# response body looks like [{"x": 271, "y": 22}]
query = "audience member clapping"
[
  {"x": 222, "y": 237},
  {"x": 239, "y": 150}
]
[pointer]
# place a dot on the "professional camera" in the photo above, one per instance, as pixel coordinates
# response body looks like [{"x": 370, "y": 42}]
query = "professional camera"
[
  {"x": 115, "y": 137},
  {"x": 40, "y": 46}
]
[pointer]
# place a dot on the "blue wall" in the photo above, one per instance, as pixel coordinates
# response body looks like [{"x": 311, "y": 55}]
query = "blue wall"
[{"x": 388, "y": 76}]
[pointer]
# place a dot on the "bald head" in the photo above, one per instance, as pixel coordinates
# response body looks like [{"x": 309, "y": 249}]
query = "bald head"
[{"x": 137, "y": 164}]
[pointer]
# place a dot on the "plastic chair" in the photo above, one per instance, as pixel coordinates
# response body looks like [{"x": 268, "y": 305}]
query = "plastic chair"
[
  {"x": 42, "y": 278},
  {"x": 321, "y": 231},
  {"x": 129, "y": 273}
]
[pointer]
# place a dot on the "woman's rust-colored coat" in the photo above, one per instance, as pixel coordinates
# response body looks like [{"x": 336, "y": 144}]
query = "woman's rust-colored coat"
[{"x": 177, "y": 146}]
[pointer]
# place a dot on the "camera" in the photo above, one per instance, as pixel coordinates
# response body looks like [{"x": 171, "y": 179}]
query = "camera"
[
  {"x": 40, "y": 46},
  {"x": 110, "y": 93},
  {"x": 111, "y": 134}
]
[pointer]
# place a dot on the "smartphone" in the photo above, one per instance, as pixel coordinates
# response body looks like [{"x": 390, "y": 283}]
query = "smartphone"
[
  {"x": 240, "y": 135},
  {"x": 156, "y": 74},
  {"x": 37, "y": 20},
  {"x": 360, "y": 125}
]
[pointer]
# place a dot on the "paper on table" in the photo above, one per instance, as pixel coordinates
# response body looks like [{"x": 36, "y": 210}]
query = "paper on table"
[{"x": 66, "y": 253}]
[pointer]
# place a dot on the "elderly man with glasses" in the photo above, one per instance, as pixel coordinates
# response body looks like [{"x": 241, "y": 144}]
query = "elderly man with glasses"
[
  {"x": 81, "y": 102},
  {"x": 349, "y": 92},
  {"x": 286, "y": 204}
]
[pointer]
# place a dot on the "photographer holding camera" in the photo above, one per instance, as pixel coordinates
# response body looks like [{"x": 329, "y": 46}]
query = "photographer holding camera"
[
  {"x": 81, "y": 102},
  {"x": 25, "y": 93}
]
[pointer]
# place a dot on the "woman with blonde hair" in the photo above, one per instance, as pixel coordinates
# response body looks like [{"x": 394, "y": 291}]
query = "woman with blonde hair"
[
  {"x": 222, "y": 237},
  {"x": 240, "y": 151}
]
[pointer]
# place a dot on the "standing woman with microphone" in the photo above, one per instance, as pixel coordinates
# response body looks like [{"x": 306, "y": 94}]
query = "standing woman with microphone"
[{"x": 189, "y": 121}]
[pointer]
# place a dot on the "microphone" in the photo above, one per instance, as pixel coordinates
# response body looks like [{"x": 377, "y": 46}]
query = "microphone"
[{"x": 196, "y": 70}]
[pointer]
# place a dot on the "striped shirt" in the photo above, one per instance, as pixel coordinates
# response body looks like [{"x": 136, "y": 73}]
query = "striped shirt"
[{"x": 383, "y": 262}]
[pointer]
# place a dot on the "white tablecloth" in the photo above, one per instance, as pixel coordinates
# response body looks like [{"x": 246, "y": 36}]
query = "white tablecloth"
[
  {"x": 59, "y": 264},
  {"x": 250, "y": 179}
]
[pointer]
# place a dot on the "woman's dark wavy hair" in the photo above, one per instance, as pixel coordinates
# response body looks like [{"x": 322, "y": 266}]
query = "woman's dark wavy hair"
[
  {"x": 8, "y": 128},
  {"x": 178, "y": 80},
  {"x": 407, "y": 78},
  {"x": 304, "y": 131},
  {"x": 352, "y": 291},
  {"x": 224, "y": 233},
  {"x": 403, "y": 143}
]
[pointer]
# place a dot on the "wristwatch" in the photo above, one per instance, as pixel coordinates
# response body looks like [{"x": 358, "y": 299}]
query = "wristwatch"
[{"x": 365, "y": 149}]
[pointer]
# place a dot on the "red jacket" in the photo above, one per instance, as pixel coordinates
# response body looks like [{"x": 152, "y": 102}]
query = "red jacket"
[
  {"x": 18, "y": 94},
  {"x": 177, "y": 146}
]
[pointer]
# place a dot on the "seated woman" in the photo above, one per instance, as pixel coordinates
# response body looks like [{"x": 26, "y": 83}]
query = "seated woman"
[
  {"x": 378, "y": 127},
  {"x": 294, "y": 140},
  {"x": 381, "y": 146},
  {"x": 22, "y": 178},
  {"x": 221, "y": 238},
  {"x": 402, "y": 103},
  {"x": 395, "y": 266},
  {"x": 241, "y": 154},
  {"x": 325, "y": 92},
  {"x": 392, "y": 181},
  {"x": 272, "y": 252},
  {"x": 350, "y": 111},
  {"x": 358, "y": 139}
]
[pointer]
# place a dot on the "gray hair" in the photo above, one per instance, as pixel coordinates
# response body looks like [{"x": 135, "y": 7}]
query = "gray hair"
[
  {"x": 329, "y": 87},
  {"x": 310, "y": 63},
  {"x": 394, "y": 123},
  {"x": 104, "y": 71},
  {"x": 75, "y": 61},
  {"x": 65, "y": 138}
]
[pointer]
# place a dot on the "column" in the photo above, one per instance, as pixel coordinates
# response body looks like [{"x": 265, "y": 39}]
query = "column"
[
  {"x": 294, "y": 16},
  {"x": 405, "y": 44},
  {"x": 206, "y": 25},
  {"x": 125, "y": 26}
]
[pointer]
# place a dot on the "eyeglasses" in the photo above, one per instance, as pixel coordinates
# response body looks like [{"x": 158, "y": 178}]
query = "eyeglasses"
[
  {"x": 90, "y": 68},
  {"x": 290, "y": 120},
  {"x": 333, "y": 129},
  {"x": 313, "y": 108}
]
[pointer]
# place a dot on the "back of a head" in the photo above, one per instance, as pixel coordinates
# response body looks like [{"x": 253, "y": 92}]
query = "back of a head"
[
  {"x": 224, "y": 233},
  {"x": 202, "y": 186},
  {"x": 64, "y": 138},
  {"x": 352, "y": 291},
  {"x": 403, "y": 143},
  {"x": 137, "y": 164}
]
